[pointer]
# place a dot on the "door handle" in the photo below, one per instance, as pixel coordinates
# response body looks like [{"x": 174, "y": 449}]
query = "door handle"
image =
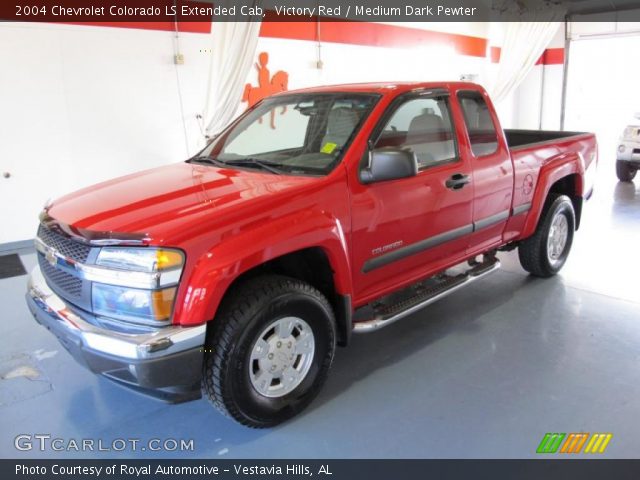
[{"x": 457, "y": 181}]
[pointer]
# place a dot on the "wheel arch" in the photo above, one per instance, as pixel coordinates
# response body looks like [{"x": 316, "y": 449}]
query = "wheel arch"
[
  {"x": 310, "y": 246},
  {"x": 311, "y": 265},
  {"x": 571, "y": 186},
  {"x": 560, "y": 175}
]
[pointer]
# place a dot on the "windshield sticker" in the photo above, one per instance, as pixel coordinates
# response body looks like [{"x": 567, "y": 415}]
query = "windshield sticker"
[{"x": 328, "y": 147}]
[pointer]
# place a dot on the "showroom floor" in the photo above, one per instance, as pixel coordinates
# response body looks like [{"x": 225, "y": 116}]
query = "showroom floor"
[{"x": 485, "y": 372}]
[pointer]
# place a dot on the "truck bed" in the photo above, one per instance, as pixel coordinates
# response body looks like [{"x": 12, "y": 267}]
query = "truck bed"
[{"x": 525, "y": 138}]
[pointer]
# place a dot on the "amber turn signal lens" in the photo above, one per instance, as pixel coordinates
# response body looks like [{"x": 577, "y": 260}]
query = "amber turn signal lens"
[
  {"x": 166, "y": 259},
  {"x": 163, "y": 303}
]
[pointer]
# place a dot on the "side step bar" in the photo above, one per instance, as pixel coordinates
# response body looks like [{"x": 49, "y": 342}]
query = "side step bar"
[{"x": 385, "y": 314}]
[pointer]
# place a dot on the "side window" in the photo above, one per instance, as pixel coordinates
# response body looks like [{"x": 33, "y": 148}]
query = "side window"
[
  {"x": 482, "y": 131},
  {"x": 422, "y": 125}
]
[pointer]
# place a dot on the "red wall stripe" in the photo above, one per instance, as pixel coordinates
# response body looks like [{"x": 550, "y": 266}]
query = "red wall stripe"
[
  {"x": 373, "y": 34},
  {"x": 551, "y": 56},
  {"x": 355, "y": 33},
  {"x": 382, "y": 35},
  {"x": 190, "y": 27},
  {"x": 495, "y": 54}
]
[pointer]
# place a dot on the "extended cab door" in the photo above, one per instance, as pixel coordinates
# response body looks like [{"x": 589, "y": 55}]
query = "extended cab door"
[
  {"x": 404, "y": 229},
  {"x": 491, "y": 169}
]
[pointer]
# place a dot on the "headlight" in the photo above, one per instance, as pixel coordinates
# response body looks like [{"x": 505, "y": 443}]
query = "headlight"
[
  {"x": 133, "y": 304},
  {"x": 140, "y": 259},
  {"x": 135, "y": 284},
  {"x": 141, "y": 267}
]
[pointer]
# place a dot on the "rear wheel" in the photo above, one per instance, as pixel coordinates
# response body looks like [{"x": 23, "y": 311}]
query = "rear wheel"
[
  {"x": 269, "y": 351},
  {"x": 625, "y": 171},
  {"x": 545, "y": 252}
]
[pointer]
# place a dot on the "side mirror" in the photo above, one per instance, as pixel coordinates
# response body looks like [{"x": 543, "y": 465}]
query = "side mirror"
[
  {"x": 389, "y": 163},
  {"x": 637, "y": 115}
]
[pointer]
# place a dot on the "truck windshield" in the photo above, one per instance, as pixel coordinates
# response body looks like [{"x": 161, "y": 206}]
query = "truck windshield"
[{"x": 292, "y": 134}]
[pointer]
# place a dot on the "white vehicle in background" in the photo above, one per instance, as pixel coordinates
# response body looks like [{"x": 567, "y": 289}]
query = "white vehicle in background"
[{"x": 628, "y": 161}]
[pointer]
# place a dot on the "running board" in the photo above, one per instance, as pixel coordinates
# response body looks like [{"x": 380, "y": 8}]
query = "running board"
[{"x": 397, "y": 306}]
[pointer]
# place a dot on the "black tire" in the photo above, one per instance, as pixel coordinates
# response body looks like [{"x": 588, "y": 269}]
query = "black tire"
[
  {"x": 625, "y": 172},
  {"x": 533, "y": 252},
  {"x": 248, "y": 310}
]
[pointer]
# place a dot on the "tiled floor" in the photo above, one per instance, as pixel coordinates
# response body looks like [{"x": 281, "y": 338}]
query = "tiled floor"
[{"x": 483, "y": 373}]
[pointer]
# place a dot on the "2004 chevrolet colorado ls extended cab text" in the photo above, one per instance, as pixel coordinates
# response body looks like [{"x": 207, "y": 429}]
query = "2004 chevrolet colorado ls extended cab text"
[{"x": 237, "y": 272}]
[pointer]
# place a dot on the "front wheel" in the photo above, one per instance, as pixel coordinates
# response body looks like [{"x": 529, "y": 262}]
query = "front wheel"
[
  {"x": 269, "y": 350},
  {"x": 545, "y": 252},
  {"x": 624, "y": 171}
]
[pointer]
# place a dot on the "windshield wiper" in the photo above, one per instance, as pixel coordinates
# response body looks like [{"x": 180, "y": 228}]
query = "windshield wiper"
[
  {"x": 264, "y": 164},
  {"x": 207, "y": 159},
  {"x": 248, "y": 162}
]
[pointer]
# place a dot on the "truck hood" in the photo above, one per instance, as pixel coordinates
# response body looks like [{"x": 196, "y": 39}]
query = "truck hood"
[{"x": 154, "y": 202}]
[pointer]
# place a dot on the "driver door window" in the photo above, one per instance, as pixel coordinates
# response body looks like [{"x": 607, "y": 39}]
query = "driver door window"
[{"x": 422, "y": 125}]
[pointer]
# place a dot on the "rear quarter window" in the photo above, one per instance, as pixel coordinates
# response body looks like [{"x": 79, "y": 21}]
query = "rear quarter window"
[{"x": 477, "y": 117}]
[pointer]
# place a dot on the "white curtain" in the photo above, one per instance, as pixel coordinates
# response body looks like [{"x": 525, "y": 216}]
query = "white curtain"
[
  {"x": 523, "y": 44},
  {"x": 233, "y": 54}
]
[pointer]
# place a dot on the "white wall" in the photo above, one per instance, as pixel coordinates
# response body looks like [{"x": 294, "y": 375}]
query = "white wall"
[
  {"x": 543, "y": 86},
  {"x": 603, "y": 92},
  {"x": 611, "y": 23},
  {"x": 85, "y": 104},
  {"x": 599, "y": 55},
  {"x": 81, "y": 105}
]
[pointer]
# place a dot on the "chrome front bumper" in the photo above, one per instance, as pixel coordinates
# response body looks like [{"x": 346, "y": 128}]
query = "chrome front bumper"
[{"x": 166, "y": 358}]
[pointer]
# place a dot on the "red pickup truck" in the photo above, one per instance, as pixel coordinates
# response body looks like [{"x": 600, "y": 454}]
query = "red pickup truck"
[{"x": 315, "y": 214}]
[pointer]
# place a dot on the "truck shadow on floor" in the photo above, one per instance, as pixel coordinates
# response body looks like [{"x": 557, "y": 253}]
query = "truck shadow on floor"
[{"x": 478, "y": 308}]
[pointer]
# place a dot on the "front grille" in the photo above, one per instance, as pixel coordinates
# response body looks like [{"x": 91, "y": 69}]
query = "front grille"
[
  {"x": 70, "y": 285},
  {"x": 636, "y": 151},
  {"x": 67, "y": 247}
]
